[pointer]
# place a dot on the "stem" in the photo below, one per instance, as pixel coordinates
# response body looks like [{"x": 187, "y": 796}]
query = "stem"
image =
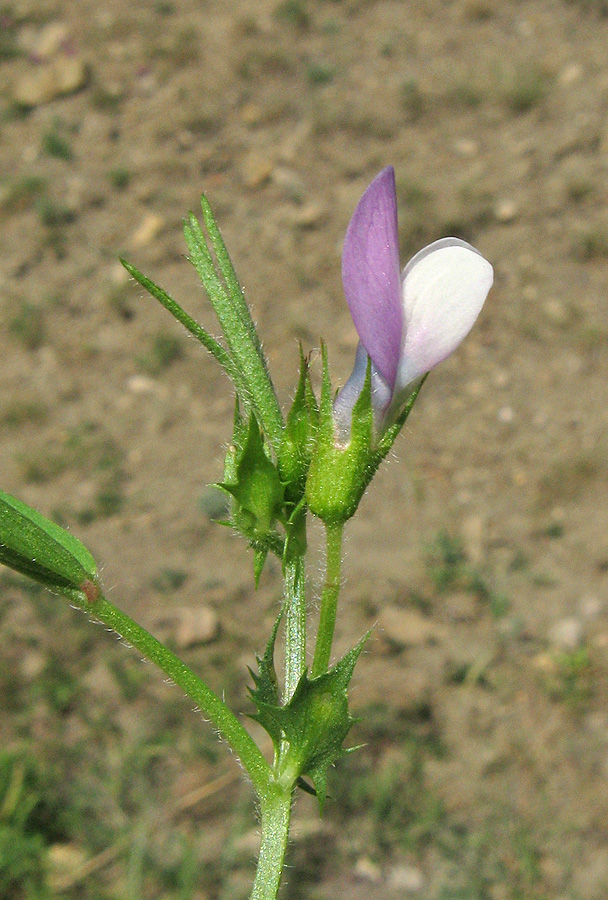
[
  {"x": 214, "y": 709},
  {"x": 276, "y": 813},
  {"x": 329, "y": 600},
  {"x": 295, "y": 622}
]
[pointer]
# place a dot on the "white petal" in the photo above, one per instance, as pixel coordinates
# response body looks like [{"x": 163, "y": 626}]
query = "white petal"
[{"x": 443, "y": 288}]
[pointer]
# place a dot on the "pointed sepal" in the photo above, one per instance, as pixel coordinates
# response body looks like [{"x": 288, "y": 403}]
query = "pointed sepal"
[
  {"x": 299, "y": 436},
  {"x": 265, "y": 693},
  {"x": 390, "y": 435},
  {"x": 259, "y": 559}
]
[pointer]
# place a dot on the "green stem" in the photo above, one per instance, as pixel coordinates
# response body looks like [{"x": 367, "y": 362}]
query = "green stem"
[
  {"x": 276, "y": 813},
  {"x": 329, "y": 600},
  {"x": 209, "y": 703},
  {"x": 295, "y": 621}
]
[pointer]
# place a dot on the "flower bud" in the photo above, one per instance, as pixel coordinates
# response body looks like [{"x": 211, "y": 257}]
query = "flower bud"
[{"x": 341, "y": 470}]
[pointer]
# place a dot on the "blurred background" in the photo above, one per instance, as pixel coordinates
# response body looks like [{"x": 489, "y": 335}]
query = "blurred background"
[{"x": 481, "y": 552}]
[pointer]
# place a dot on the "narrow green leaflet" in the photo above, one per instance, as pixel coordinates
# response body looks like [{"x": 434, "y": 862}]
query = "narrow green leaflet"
[
  {"x": 40, "y": 549},
  {"x": 235, "y": 320},
  {"x": 235, "y": 291},
  {"x": 196, "y": 330}
]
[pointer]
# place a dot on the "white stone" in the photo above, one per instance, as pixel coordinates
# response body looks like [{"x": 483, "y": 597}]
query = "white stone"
[
  {"x": 49, "y": 40},
  {"x": 149, "y": 229},
  {"x": 406, "y": 878},
  {"x": 406, "y": 627},
  {"x": 195, "y": 625},
  {"x": 366, "y": 870},
  {"x": 567, "y": 634},
  {"x": 64, "y": 75},
  {"x": 505, "y": 211}
]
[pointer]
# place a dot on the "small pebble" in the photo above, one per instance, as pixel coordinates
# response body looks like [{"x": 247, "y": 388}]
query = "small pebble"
[
  {"x": 406, "y": 627},
  {"x": 290, "y": 182},
  {"x": 63, "y": 75},
  {"x": 366, "y": 870},
  {"x": 473, "y": 532},
  {"x": 555, "y": 311},
  {"x": 406, "y": 878},
  {"x": 567, "y": 634},
  {"x": 570, "y": 74},
  {"x": 255, "y": 169},
  {"x": 118, "y": 274},
  {"x": 590, "y": 607},
  {"x": 48, "y": 40},
  {"x": 149, "y": 229},
  {"x": 505, "y": 211},
  {"x": 309, "y": 215},
  {"x": 62, "y": 860},
  {"x": 460, "y": 607},
  {"x": 466, "y": 147},
  {"x": 141, "y": 384},
  {"x": 530, "y": 293},
  {"x": 251, "y": 113},
  {"x": 194, "y": 625}
]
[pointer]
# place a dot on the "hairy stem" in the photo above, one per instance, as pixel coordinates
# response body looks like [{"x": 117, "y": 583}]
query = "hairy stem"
[
  {"x": 214, "y": 709},
  {"x": 295, "y": 622},
  {"x": 276, "y": 813},
  {"x": 329, "y": 600}
]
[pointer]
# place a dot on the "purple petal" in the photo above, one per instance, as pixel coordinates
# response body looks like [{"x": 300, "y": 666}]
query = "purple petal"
[
  {"x": 370, "y": 274},
  {"x": 444, "y": 288}
]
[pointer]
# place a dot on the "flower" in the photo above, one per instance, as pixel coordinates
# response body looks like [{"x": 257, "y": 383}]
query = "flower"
[{"x": 407, "y": 322}]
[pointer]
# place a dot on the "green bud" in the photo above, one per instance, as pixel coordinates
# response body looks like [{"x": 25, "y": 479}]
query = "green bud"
[
  {"x": 40, "y": 549},
  {"x": 339, "y": 473},
  {"x": 253, "y": 481}
]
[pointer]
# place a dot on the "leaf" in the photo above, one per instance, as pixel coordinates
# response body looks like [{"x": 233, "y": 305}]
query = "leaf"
[
  {"x": 310, "y": 730},
  {"x": 40, "y": 549}
]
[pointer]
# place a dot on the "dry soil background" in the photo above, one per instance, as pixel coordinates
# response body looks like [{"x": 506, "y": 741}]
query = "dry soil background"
[{"x": 482, "y": 548}]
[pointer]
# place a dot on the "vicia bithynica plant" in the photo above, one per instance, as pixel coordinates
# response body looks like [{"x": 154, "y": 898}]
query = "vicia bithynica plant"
[{"x": 318, "y": 458}]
